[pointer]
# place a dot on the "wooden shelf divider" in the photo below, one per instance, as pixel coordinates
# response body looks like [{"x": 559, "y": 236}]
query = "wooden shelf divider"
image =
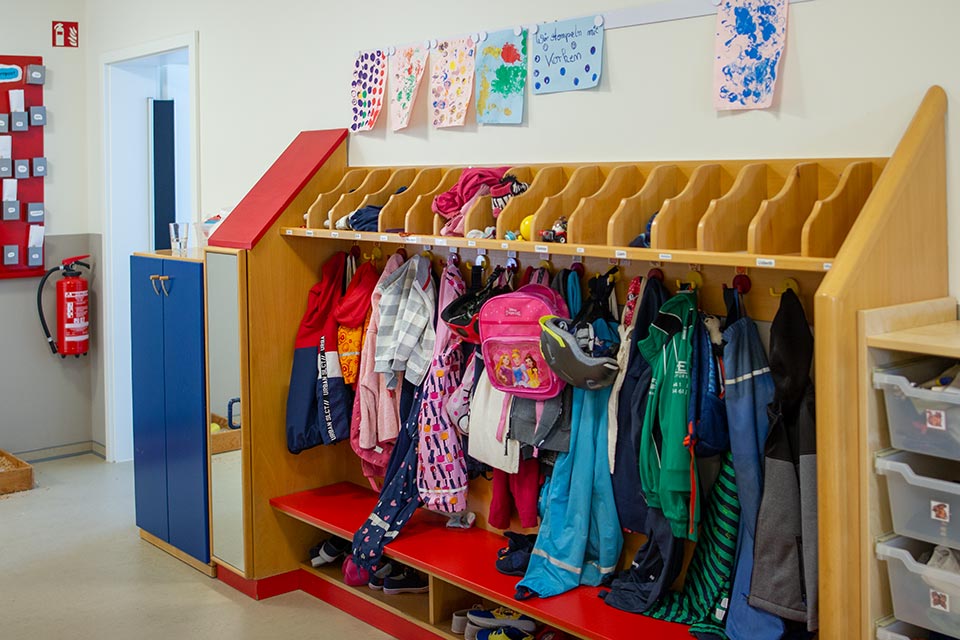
[
  {"x": 350, "y": 201},
  {"x": 395, "y": 210},
  {"x": 724, "y": 225},
  {"x": 419, "y": 218},
  {"x": 588, "y": 222},
  {"x": 777, "y": 226},
  {"x": 548, "y": 181},
  {"x": 832, "y": 218},
  {"x": 584, "y": 181},
  {"x": 631, "y": 216},
  {"x": 675, "y": 227},
  {"x": 319, "y": 210}
]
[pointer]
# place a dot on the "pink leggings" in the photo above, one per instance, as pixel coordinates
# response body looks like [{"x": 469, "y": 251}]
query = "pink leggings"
[{"x": 521, "y": 489}]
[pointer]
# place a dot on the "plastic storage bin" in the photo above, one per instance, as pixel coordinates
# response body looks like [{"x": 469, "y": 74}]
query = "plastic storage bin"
[
  {"x": 923, "y": 596},
  {"x": 920, "y": 420},
  {"x": 924, "y": 499},
  {"x": 897, "y": 630}
]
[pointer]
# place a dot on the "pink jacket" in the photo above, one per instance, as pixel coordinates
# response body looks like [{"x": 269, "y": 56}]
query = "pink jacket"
[{"x": 376, "y": 411}]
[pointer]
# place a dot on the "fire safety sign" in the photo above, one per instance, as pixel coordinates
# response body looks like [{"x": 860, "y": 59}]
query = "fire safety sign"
[{"x": 66, "y": 34}]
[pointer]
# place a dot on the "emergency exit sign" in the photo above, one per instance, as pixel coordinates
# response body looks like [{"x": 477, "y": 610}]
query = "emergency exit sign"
[{"x": 66, "y": 34}]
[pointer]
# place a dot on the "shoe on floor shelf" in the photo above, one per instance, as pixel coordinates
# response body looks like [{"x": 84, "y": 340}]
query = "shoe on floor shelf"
[
  {"x": 408, "y": 581},
  {"x": 502, "y": 617}
]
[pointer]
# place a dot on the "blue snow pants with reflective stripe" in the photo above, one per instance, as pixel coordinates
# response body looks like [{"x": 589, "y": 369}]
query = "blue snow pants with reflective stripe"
[{"x": 749, "y": 388}]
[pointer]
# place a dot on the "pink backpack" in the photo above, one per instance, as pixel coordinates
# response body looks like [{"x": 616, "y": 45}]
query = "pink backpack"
[{"x": 510, "y": 341}]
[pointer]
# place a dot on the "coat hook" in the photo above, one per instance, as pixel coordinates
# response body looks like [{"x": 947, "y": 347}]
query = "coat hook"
[
  {"x": 788, "y": 283},
  {"x": 655, "y": 274},
  {"x": 375, "y": 254},
  {"x": 693, "y": 281},
  {"x": 742, "y": 283}
]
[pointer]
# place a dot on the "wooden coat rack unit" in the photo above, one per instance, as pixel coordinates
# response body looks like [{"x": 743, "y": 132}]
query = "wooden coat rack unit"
[{"x": 855, "y": 233}]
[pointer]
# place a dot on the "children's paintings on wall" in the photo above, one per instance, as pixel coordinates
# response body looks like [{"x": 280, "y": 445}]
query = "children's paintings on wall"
[
  {"x": 567, "y": 55},
  {"x": 406, "y": 72},
  {"x": 367, "y": 89},
  {"x": 501, "y": 77},
  {"x": 749, "y": 44},
  {"x": 451, "y": 81}
]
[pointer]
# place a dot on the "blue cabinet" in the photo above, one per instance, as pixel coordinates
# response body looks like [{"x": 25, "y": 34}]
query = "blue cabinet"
[{"x": 169, "y": 407}]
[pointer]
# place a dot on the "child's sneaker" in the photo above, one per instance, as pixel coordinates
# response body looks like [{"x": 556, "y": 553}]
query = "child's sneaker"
[
  {"x": 378, "y": 577},
  {"x": 504, "y": 633},
  {"x": 329, "y": 551},
  {"x": 409, "y": 581},
  {"x": 458, "y": 625},
  {"x": 502, "y": 617}
]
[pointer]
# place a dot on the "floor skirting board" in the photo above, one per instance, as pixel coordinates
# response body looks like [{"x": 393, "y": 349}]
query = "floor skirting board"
[{"x": 62, "y": 451}]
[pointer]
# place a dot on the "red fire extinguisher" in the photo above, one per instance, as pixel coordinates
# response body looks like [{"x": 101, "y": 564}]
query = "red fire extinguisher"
[{"x": 73, "y": 319}]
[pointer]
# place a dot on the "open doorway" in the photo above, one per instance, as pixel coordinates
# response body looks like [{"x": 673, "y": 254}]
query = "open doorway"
[{"x": 151, "y": 179}]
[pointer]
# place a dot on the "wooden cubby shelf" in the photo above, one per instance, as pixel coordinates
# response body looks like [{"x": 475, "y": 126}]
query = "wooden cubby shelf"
[{"x": 465, "y": 559}]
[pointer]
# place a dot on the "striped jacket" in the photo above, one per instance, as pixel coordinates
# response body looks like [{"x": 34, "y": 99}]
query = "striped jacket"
[{"x": 406, "y": 336}]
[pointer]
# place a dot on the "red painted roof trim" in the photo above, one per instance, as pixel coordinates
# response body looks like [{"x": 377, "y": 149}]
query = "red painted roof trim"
[{"x": 277, "y": 188}]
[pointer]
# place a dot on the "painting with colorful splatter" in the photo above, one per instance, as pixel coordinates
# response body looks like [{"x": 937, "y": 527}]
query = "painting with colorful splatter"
[
  {"x": 406, "y": 72},
  {"x": 567, "y": 55},
  {"x": 451, "y": 81},
  {"x": 501, "y": 77},
  {"x": 749, "y": 43},
  {"x": 366, "y": 91}
]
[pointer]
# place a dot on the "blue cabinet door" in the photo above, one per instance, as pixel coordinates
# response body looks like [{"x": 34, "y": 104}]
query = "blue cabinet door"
[
  {"x": 185, "y": 408},
  {"x": 149, "y": 413}
]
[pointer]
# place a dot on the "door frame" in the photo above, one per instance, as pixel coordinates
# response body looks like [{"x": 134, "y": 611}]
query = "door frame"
[{"x": 112, "y": 351}]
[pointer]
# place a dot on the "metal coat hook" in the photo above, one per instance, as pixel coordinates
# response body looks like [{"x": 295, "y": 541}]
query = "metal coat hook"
[
  {"x": 375, "y": 254},
  {"x": 788, "y": 283}
]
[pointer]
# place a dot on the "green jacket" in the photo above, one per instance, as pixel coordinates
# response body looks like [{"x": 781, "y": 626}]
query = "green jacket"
[{"x": 667, "y": 469}]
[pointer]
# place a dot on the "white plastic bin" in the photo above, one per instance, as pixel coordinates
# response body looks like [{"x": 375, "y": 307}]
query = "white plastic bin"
[
  {"x": 924, "y": 496},
  {"x": 922, "y": 596},
  {"x": 920, "y": 420},
  {"x": 897, "y": 630}
]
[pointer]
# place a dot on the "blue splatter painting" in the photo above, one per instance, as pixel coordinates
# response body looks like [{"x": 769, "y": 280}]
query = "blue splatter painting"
[{"x": 749, "y": 44}]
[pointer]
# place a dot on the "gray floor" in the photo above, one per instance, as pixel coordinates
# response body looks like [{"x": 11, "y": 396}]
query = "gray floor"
[{"x": 72, "y": 566}]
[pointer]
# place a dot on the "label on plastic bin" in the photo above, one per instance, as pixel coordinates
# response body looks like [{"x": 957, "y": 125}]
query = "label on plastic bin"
[
  {"x": 939, "y": 600},
  {"x": 936, "y": 419},
  {"x": 939, "y": 511}
]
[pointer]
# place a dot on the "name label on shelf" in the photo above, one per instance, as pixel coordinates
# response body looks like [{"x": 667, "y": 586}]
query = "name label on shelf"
[
  {"x": 504, "y": 245},
  {"x": 471, "y": 243},
  {"x": 766, "y": 262},
  {"x": 309, "y": 233},
  {"x": 412, "y": 239},
  {"x": 442, "y": 242},
  {"x": 620, "y": 253},
  {"x": 666, "y": 256},
  {"x": 384, "y": 238},
  {"x": 289, "y": 232},
  {"x": 581, "y": 250},
  {"x": 357, "y": 236},
  {"x": 541, "y": 248},
  {"x": 827, "y": 266},
  {"x": 334, "y": 234}
]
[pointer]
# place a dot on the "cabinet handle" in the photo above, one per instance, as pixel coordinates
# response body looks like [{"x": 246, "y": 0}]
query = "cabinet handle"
[
  {"x": 153, "y": 281},
  {"x": 163, "y": 284}
]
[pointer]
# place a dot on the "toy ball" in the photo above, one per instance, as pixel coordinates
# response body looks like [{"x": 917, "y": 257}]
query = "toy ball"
[
  {"x": 510, "y": 235},
  {"x": 526, "y": 228}
]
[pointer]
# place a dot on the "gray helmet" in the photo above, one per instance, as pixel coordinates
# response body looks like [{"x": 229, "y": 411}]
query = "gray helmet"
[{"x": 563, "y": 354}]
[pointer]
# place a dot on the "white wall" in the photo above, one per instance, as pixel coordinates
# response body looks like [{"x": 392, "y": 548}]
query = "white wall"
[{"x": 854, "y": 72}]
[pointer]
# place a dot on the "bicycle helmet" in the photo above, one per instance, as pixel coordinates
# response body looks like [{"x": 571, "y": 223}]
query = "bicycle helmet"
[{"x": 564, "y": 355}]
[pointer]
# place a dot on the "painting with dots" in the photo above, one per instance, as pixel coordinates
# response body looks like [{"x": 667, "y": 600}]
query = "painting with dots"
[
  {"x": 567, "y": 55},
  {"x": 749, "y": 43},
  {"x": 501, "y": 77},
  {"x": 451, "y": 81},
  {"x": 367, "y": 89},
  {"x": 406, "y": 72}
]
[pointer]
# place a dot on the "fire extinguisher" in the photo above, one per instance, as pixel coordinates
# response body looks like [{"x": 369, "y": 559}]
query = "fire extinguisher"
[{"x": 73, "y": 320}]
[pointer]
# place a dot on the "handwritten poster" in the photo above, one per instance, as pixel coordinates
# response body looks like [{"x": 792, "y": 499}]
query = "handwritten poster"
[
  {"x": 406, "y": 72},
  {"x": 749, "y": 43},
  {"x": 567, "y": 55},
  {"x": 366, "y": 91},
  {"x": 501, "y": 77},
  {"x": 451, "y": 81}
]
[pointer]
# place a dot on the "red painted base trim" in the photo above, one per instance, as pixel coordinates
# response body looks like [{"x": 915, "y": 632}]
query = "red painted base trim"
[
  {"x": 261, "y": 589},
  {"x": 363, "y": 610}
]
